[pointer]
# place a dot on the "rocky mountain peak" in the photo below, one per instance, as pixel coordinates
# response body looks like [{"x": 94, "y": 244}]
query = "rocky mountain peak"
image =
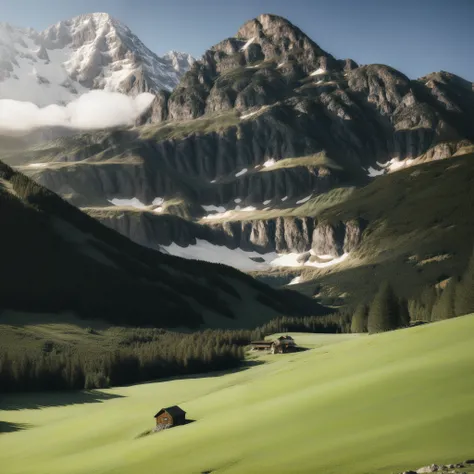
[
  {"x": 268, "y": 25},
  {"x": 265, "y": 24},
  {"x": 444, "y": 77},
  {"x": 263, "y": 64},
  {"x": 278, "y": 37},
  {"x": 81, "y": 29}
]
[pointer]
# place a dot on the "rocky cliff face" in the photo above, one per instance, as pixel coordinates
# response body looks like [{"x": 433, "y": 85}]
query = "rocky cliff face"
[
  {"x": 266, "y": 122},
  {"x": 292, "y": 234},
  {"x": 281, "y": 235},
  {"x": 215, "y": 169}
]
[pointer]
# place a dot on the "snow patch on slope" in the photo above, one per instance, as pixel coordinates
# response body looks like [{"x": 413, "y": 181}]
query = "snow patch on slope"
[
  {"x": 132, "y": 202},
  {"x": 306, "y": 199},
  {"x": 269, "y": 163},
  {"x": 323, "y": 257},
  {"x": 394, "y": 164},
  {"x": 295, "y": 260},
  {"x": 218, "y": 215},
  {"x": 220, "y": 212},
  {"x": 390, "y": 166},
  {"x": 241, "y": 173},
  {"x": 238, "y": 258},
  {"x": 251, "y": 114},
  {"x": 204, "y": 250},
  {"x": 295, "y": 281},
  {"x": 318, "y": 72},
  {"x": 212, "y": 208},
  {"x": 330, "y": 263},
  {"x": 372, "y": 172},
  {"x": 248, "y": 43}
]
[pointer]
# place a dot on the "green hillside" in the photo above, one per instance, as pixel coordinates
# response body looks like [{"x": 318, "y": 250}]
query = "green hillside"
[
  {"x": 372, "y": 404},
  {"x": 417, "y": 231}
]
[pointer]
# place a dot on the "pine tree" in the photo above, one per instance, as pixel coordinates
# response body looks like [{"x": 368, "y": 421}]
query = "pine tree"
[
  {"x": 403, "y": 313},
  {"x": 359, "y": 319},
  {"x": 444, "y": 306},
  {"x": 464, "y": 295},
  {"x": 421, "y": 307},
  {"x": 384, "y": 311}
]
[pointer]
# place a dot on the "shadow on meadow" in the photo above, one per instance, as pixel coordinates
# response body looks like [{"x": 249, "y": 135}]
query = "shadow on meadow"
[
  {"x": 8, "y": 427},
  {"x": 39, "y": 400},
  {"x": 248, "y": 364}
]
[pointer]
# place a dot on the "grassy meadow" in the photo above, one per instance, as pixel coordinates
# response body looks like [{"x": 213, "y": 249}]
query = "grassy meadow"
[{"x": 368, "y": 404}]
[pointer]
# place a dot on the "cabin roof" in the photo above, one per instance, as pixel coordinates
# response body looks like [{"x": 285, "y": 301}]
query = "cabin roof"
[{"x": 174, "y": 411}]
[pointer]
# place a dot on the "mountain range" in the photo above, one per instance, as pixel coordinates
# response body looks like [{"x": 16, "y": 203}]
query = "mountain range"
[
  {"x": 275, "y": 157},
  {"x": 72, "y": 57}
]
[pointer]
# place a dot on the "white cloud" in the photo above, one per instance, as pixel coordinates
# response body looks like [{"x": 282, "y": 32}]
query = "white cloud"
[{"x": 93, "y": 110}]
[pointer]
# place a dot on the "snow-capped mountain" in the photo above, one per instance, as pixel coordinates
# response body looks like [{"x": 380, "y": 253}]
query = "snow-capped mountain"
[{"x": 88, "y": 52}]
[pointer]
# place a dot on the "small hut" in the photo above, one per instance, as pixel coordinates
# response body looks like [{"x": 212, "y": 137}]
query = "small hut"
[
  {"x": 280, "y": 345},
  {"x": 169, "y": 417},
  {"x": 283, "y": 344},
  {"x": 261, "y": 345}
]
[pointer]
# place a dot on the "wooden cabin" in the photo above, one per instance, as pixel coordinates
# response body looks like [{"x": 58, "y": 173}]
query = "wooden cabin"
[
  {"x": 261, "y": 345},
  {"x": 279, "y": 346},
  {"x": 283, "y": 344},
  {"x": 171, "y": 416}
]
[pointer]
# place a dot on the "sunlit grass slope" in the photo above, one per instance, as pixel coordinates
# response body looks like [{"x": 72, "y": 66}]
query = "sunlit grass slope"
[{"x": 372, "y": 404}]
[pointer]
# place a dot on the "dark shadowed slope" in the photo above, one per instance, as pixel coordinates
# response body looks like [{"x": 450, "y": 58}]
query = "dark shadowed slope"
[{"x": 57, "y": 258}]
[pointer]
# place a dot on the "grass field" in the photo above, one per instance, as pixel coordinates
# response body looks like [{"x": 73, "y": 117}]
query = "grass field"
[{"x": 370, "y": 404}]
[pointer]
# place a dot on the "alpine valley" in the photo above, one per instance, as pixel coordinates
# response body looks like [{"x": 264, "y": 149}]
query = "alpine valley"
[{"x": 269, "y": 198}]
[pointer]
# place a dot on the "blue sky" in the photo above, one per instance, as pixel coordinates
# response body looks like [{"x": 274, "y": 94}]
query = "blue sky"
[{"x": 414, "y": 36}]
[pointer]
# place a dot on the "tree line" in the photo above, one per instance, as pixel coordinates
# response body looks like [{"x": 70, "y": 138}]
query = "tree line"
[
  {"x": 454, "y": 297},
  {"x": 339, "y": 322},
  {"x": 143, "y": 355}
]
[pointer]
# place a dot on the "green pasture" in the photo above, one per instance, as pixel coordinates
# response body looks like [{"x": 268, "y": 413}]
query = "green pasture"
[{"x": 368, "y": 404}]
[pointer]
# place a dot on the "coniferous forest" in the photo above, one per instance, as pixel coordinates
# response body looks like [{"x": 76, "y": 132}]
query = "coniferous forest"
[
  {"x": 148, "y": 354},
  {"x": 145, "y": 354}
]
